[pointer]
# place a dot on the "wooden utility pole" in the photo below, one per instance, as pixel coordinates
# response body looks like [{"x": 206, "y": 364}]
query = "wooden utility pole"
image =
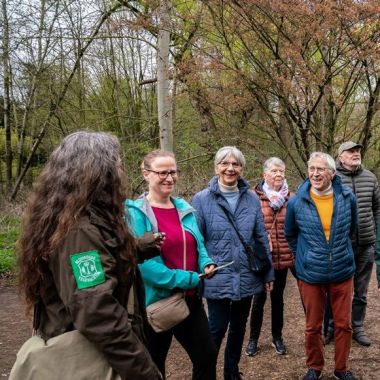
[{"x": 164, "y": 99}]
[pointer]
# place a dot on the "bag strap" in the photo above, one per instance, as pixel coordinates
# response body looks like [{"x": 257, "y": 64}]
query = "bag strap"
[
  {"x": 131, "y": 303},
  {"x": 36, "y": 317},
  {"x": 184, "y": 246},
  {"x": 232, "y": 222},
  {"x": 184, "y": 250}
]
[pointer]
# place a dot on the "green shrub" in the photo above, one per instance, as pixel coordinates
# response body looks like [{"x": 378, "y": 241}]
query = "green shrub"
[
  {"x": 7, "y": 261},
  {"x": 10, "y": 228}
]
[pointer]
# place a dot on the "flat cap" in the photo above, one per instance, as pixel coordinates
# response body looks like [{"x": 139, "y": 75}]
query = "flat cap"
[{"x": 347, "y": 146}]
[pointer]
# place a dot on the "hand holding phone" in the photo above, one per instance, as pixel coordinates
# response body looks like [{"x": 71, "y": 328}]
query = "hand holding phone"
[
  {"x": 202, "y": 275},
  {"x": 159, "y": 238}
]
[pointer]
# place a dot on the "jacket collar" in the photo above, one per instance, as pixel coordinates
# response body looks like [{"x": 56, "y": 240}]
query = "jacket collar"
[
  {"x": 340, "y": 168},
  {"x": 259, "y": 187},
  {"x": 260, "y": 192},
  {"x": 141, "y": 203},
  {"x": 338, "y": 188}
]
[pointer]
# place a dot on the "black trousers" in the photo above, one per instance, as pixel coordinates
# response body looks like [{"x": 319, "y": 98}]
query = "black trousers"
[
  {"x": 194, "y": 336},
  {"x": 225, "y": 314},
  {"x": 277, "y": 302}
]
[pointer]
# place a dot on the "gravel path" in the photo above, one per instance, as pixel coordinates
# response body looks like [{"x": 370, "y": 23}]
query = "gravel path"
[{"x": 365, "y": 362}]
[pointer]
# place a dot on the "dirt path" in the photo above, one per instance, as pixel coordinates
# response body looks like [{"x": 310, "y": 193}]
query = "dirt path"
[{"x": 365, "y": 362}]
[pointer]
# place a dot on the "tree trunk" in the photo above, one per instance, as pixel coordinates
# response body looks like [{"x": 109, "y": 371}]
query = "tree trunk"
[
  {"x": 372, "y": 108},
  {"x": 164, "y": 100},
  {"x": 6, "y": 89}
]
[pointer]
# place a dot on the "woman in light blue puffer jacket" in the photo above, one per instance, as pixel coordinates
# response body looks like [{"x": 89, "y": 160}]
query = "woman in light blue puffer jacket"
[{"x": 229, "y": 292}]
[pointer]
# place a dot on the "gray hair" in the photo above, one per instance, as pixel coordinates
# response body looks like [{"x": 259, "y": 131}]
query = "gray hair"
[
  {"x": 272, "y": 161},
  {"x": 85, "y": 163},
  {"x": 324, "y": 156},
  {"x": 84, "y": 151},
  {"x": 226, "y": 151}
]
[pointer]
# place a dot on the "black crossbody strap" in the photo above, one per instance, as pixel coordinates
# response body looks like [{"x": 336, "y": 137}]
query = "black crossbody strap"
[
  {"x": 233, "y": 224},
  {"x": 36, "y": 316}
]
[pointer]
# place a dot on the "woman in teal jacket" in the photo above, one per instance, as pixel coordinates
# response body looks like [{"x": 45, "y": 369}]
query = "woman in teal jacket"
[{"x": 182, "y": 257}]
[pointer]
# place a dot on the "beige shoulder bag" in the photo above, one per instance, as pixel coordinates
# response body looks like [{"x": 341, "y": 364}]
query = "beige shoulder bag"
[
  {"x": 64, "y": 357},
  {"x": 169, "y": 312}
]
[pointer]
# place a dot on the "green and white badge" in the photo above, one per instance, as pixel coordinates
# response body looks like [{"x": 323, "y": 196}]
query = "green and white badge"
[{"x": 88, "y": 269}]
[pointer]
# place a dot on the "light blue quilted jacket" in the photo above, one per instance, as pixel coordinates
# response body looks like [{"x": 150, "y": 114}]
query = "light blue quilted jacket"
[{"x": 223, "y": 244}]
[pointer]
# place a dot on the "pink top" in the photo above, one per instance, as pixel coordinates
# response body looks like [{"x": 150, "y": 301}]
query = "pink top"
[{"x": 172, "y": 248}]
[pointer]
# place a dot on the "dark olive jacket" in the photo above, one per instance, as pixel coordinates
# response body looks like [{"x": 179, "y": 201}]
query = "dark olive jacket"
[
  {"x": 366, "y": 189},
  {"x": 99, "y": 312},
  {"x": 282, "y": 256}
]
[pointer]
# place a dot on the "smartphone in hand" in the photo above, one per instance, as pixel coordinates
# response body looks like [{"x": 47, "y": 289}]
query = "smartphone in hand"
[
  {"x": 159, "y": 238},
  {"x": 202, "y": 275}
]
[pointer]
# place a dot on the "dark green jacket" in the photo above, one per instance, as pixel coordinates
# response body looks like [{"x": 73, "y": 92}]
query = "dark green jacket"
[{"x": 92, "y": 296}]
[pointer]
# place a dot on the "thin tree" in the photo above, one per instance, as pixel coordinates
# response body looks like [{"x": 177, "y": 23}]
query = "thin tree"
[
  {"x": 55, "y": 105},
  {"x": 164, "y": 100},
  {"x": 6, "y": 95}
]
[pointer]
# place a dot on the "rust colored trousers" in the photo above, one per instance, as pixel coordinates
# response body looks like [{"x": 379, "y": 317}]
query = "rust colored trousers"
[{"x": 314, "y": 298}]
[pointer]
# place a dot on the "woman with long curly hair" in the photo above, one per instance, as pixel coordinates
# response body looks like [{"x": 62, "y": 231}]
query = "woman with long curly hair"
[{"x": 78, "y": 258}]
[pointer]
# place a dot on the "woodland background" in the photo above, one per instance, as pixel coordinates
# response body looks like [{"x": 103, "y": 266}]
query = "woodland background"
[
  {"x": 278, "y": 78},
  {"x": 282, "y": 78}
]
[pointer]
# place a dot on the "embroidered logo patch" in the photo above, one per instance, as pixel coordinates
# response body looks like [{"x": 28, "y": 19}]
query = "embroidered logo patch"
[{"x": 88, "y": 269}]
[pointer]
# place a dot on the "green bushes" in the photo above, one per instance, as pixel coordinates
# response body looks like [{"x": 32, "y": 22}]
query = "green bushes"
[{"x": 9, "y": 233}]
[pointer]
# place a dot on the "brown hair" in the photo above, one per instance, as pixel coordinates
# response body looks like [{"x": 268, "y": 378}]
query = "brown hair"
[
  {"x": 150, "y": 157},
  {"x": 82, "y": 172}
]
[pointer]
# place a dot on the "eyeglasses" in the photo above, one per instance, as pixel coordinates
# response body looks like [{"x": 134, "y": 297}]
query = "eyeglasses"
[
  {"x": 226, "y": 164},
  {"x": 165, "y": 173},
  {"x": 313, "y": 169}
]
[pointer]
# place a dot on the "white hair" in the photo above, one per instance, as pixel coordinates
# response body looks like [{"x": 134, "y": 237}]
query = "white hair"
[
  {"x": 324, "y": 156},
  {"x": 226, "y": 151},
  {"x": 272, "y": 161}
]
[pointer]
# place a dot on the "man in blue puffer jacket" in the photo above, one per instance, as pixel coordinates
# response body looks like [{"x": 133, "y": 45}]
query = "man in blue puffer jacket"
[{"x": 320, "y": 219}]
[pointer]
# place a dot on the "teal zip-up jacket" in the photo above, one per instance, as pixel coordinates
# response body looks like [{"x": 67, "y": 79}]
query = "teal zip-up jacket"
[{"x": 158, "y": 278}]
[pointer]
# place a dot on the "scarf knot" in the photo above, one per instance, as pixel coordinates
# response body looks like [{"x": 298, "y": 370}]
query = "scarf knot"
[{"x": 276, "y": 198}]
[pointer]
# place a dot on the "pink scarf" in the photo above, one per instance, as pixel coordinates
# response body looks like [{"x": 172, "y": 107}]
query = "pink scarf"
[{"x": 276, "y": 198}]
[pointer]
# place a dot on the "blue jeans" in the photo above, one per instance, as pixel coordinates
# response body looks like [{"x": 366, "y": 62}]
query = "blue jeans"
[{"x": 226, "y": 314}]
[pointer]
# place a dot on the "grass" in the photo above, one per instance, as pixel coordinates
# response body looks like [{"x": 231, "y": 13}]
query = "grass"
[{"x": 9, "y": 233}]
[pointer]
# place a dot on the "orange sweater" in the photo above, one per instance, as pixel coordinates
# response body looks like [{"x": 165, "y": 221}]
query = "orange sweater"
[{"x": 324, "y": 204}]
